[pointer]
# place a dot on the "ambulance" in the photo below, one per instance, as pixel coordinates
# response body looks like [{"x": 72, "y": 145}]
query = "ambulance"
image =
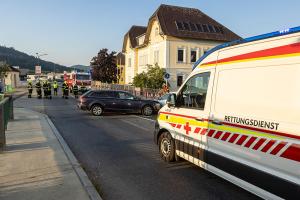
[{"x": 237, "y": 115}]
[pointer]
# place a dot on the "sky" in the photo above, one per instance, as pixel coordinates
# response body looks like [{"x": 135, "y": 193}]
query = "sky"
[{"x": 73, "y": 31}]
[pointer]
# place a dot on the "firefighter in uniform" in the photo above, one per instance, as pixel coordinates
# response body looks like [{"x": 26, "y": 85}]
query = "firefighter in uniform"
[
  {"x": 38, "y": 87},
  {"x": 55, "y": 88},
  {"x": 75, "y": 90},
  {"x": 49, "y": 92},
  {"x": 30, "y": 88},
  {"x": 45, "y": 88},
  {"x": 65, "y": 89},
  {"x": 82, "y": 88}
]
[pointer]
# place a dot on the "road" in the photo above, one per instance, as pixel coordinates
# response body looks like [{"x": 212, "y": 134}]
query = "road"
[{"x": 118, "y": 154}]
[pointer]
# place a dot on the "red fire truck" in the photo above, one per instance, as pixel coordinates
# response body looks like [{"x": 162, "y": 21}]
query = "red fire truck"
[{"x": 82, "y": 79}]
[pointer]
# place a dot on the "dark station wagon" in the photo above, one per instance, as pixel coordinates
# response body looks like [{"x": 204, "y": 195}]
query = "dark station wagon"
[{"x": 99, "y": 101}]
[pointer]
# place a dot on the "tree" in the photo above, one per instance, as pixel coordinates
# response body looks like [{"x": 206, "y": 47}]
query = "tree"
[
  {"x": 153, "y": 78},
  {"x": 4, "y": 68},
  {"x": 104, "y": 66}
]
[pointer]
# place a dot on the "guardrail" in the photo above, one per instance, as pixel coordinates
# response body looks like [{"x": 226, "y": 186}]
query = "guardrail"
[{"x": 6, "y": 114}]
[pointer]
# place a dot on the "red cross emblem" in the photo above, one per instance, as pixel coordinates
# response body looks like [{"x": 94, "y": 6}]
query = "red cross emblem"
[{"x": 187, "y": 128}]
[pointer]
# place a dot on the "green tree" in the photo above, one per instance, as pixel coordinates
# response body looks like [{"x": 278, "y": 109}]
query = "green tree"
[
  {"x": 104, "y": 66},
  {"x": 153, "y": 78},
  {"x": 4, "y": 68}
]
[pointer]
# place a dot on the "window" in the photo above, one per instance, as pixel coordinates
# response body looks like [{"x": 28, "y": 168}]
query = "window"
[
  {"x": 193, "y": 93},
  {"x": 129, "y": 62},
  {"x": 124, "y": 95},
  {"x": 193, "y": 27},
  {"x": 179, "y": 80},
  {"x": 193, "y": 56},
  {"x": 186, "y": 26},
  {"x": 156, "y": 56},
  {"x": 179, "y": 25},
  {"x": 205, "y": 29},
  {"x": 143, "y": 60},
  {"x": 180, "y": 55},
  {"x": 103, "y": 94},
  {"x": 211, "y": 29},
  {"x": 199, "y": 27}
]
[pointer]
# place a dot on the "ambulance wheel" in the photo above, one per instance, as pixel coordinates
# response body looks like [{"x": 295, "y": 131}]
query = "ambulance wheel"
[
  {"x": 97, "y": 110},
  {"x": 167, "y": 147}
]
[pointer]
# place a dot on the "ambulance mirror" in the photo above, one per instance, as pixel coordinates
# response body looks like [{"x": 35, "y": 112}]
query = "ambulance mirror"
[{"x": 171, "y": 100}]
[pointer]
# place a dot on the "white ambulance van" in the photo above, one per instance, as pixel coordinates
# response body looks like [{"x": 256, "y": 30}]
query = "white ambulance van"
[{"x": 238, "y": 115}]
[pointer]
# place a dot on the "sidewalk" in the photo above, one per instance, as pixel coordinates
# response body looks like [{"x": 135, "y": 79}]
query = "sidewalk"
[{"x": 35, "y": 165}]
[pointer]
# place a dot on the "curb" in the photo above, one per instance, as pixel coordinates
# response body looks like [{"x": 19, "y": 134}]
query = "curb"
[{"x": 84, "y": 179}]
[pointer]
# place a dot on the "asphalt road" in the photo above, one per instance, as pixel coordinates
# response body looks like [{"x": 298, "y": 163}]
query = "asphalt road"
[{"x": 118, "y": 153}]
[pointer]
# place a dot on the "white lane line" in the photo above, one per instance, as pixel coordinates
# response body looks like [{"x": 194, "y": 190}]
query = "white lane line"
[
  {"x": 152, "y": 120},
  {"x": 133, "y": 124}
]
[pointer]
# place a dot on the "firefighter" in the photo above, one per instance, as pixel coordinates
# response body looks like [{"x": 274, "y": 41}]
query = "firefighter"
[
  {"x": 55, "y": 88},
  {"x": 30, "y": 88},
  {"x": 75, "y": 91},
  {"x": 45, "y": 88},
  {"x": 49, "y": 92},
  {"x": 82, "y": 88},
  {"x": 38, "y": 87},
  {"x": 65, "y": 89}
]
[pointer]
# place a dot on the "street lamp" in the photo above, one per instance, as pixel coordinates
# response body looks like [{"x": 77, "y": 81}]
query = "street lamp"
[{"x": 40, "y": 55}]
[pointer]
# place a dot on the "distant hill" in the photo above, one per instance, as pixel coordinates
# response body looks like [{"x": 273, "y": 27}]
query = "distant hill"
[
  {"x": 80, "y": 67},
  {"x": 25, "y": 61}
]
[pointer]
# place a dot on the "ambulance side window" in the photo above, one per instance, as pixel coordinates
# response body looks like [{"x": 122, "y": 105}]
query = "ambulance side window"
[{"x": 193, "y": 93}]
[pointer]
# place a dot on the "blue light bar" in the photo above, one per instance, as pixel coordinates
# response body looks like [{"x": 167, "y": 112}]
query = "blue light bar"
[{"x": 246, "y": 40}]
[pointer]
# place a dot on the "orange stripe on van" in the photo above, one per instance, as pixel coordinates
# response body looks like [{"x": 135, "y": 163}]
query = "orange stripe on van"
[{"x": 276, "y": 52}]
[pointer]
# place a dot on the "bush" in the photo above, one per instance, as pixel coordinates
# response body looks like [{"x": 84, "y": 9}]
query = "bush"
[{"x": 153, "y": 78}]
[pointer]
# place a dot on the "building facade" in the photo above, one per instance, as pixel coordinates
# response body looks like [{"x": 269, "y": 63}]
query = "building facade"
[
  {"x": 12, "y": 78},
  {"x": 175, "y": 38},
  {"x": 121, "y": 68}
]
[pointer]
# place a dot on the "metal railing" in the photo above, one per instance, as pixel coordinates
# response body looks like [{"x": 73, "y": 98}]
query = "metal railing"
[
  {"x": 145, "y": 93},
  {"x": 6, "y": 114}
]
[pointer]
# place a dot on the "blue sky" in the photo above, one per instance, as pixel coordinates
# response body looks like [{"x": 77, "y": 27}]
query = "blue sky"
[{"x": 73, "y": 31}]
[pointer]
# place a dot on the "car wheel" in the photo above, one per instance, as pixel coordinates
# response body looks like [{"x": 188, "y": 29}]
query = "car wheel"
[
  {"x": 97, "y": 110},
  {"x": 166, "y": 147},
  {"x": 147, "y": 110}
]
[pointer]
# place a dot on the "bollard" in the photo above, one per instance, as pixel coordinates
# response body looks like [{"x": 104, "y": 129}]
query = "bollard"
[
  {"x": 2, "y": 128},
  {"x": 10, "y": 106}
]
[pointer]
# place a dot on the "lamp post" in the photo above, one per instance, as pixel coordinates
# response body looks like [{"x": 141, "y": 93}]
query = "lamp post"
[{"x": 38, "y": 55}]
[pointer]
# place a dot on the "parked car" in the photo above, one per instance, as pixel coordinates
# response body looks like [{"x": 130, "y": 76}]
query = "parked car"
[
  {"x": 99, "y": 101},
  {"x": 163, "y": 99}
]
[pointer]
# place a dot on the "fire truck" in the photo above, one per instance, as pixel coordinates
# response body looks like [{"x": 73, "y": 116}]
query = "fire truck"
[{"x": 82, "y": 79}]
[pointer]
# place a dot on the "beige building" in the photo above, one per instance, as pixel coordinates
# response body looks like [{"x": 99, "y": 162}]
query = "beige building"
[
  {"x": 175, "y": 38},
  {"x": 121, "y": 68},
  {"x": 12, "y": 78}
]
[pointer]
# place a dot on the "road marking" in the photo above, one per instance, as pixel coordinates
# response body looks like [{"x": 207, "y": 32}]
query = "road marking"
[
  {"x": 133, "y": 124},
  {"x": 152, "y": 120}
]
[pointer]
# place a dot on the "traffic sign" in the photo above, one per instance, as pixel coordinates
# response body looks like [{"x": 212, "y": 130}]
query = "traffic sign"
[
  {"x": 166, "y": 76},
  {"x": 38, "y": 70}
]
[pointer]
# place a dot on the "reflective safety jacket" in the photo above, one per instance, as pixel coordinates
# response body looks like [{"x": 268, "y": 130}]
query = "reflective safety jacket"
[
  {"x": 55, "y": 85},
  {"x": 29, "y": 86},
  {"x": 75, "y": 88},
  {"x": 38, "y": 85},
  {"x": 65, "y": 86}
]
